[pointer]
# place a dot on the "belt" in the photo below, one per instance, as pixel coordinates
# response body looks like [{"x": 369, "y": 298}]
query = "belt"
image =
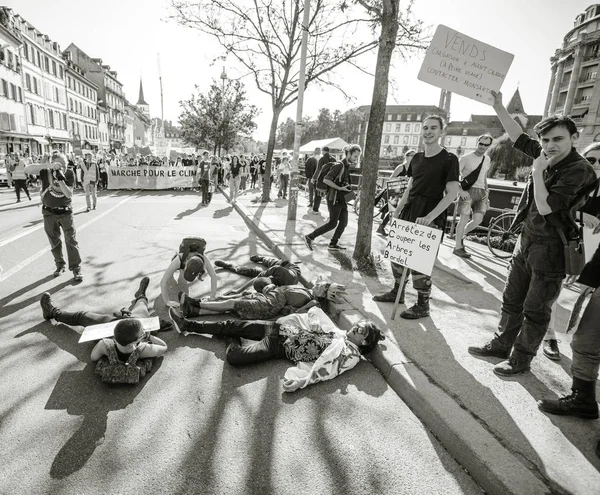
[{"x": 58, "y": 210}]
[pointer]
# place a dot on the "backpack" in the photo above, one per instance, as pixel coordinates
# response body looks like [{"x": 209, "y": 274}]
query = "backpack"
[
  {"x": 321, "y": 186},
  {"x": 112, "y": 370},
  {"x": 191, "y": 245}
]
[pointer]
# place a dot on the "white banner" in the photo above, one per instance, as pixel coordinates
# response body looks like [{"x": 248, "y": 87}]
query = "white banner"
[
  {"x": 413, "y": 246},
  {"x": 464, "y": 65},
  {"x": 149, "y": 177},
  {"x": 104, "y": 330}
]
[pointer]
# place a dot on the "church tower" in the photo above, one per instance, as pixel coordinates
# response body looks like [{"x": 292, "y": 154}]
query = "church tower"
[
  {"x": 141, "y": 104},
  {"x": 515, "y": 109}
]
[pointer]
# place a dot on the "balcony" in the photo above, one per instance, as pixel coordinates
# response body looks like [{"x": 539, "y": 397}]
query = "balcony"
[
  {"x": 584, "y": 102},
  {"x": 587, "y": 80}
]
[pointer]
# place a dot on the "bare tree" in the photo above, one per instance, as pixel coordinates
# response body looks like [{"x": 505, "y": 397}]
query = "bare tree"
[
  {"x": 264, "y": 36},
  {"x": 401, "y": 34}
]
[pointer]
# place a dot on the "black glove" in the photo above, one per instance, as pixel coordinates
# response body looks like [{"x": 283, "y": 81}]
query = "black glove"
[{"x": 58, "y": 175}]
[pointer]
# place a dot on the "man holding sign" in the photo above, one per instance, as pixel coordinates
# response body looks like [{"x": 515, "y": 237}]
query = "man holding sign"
[
  {"x": 432, "y": 187},
  {"x": 552, "y": 195}
]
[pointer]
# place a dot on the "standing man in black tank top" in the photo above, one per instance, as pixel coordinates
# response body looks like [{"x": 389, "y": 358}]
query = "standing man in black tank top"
[{"x": 432, "y": 187}]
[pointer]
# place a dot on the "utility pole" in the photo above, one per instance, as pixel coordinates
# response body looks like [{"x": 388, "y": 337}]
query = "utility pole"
[
  {"x": 293, "y": 201},
  {"x": 224, "y": 109},
  {"x": 162, "y": 115}
]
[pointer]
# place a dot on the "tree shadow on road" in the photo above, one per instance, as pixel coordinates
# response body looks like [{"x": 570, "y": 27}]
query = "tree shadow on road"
[
  {"x": 190, "y": 211},
  {"x": 8, "y": 310}
]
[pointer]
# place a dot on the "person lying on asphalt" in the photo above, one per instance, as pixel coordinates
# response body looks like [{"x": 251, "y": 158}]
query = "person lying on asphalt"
[
  {"x": 266, "y": 301},
  {"x": 320, "y": 350},
  {"x": 283, "y": 272}
]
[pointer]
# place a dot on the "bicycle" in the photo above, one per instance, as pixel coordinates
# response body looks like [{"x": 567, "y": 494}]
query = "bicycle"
[
  {"x": 379, "y": 205},
  {"x": 501, "y": 239}
]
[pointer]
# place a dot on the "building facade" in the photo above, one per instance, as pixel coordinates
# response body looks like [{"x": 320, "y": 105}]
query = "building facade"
[
  {"x": 103, "y": 139},
  {"x": 401, "y": 128},
  {"x": 44, "y": 89},
  {"x": 461, "y": 136},
  {"x": 13, "y": 123},
  {"x": 574, "y": 88},
  {"x": 110, "y": 92},
  {"x": 82, "y": 97},
  {"x": 141, "y": 125}
]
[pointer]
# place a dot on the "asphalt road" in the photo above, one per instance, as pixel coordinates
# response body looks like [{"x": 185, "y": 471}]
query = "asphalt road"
[{"x": 196, "y": 424}]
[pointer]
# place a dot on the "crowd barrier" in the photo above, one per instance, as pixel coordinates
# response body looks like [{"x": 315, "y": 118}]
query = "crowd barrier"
[{"x": 151, "y": 177}]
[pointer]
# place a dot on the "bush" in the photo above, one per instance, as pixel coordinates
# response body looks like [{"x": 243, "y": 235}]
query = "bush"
[{"x": 522, "y": 173}]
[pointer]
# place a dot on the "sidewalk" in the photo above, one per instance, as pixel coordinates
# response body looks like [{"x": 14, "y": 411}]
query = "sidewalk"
[{"x": 491, "y": 426}]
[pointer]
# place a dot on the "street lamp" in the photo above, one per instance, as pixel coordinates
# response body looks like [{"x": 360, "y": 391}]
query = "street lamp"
[{"x": 224, "y": 109}]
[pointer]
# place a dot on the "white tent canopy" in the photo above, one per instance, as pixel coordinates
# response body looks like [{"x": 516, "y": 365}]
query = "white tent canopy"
[{"x": 335, "y": 145}]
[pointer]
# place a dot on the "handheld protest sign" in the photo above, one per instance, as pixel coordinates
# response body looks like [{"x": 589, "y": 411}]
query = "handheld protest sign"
[
  {"x": 104, "y": 330},
  {"x": 464, "y": 65},
  {"x": 397, "y": 301}
]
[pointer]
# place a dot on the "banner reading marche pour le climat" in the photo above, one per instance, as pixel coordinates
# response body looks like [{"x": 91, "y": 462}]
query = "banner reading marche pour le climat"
[
  {"x": 464, "y": 65},
  {"x": 150, "y": 177}
]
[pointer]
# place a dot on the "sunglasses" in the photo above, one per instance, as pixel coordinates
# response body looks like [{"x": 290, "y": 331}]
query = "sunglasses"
[
  {"x": 592, "y": 160},
  {"x": 484, "y": 144}
]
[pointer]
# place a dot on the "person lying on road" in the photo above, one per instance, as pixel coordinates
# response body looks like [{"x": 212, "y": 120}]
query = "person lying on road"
[{"x": 320, "y": 350}]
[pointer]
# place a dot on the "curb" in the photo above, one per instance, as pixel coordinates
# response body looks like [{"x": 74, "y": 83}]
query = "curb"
[{"x": 493, "y": 466}]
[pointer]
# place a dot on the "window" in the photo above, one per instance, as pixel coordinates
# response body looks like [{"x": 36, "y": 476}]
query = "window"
[
  {"x": 35, "y": 86},
  {"x": 386, "y": 139},
  {"x": 39, "y": 62},
  {"x": 463, "y": 141},
  {"x": 405, "y": 140},
  {"x": 51, "y": 119},
  {"x": 415, "y": 140},
  {"x": 388, "y": 127},
  {"x": 46, "y": 64},
  {"x": 70, "y": 104},
  {"x": 61, "y": 73},
  {"x": 419, "y": 116},
  {"x": 396, "y": 139},
  {"x": 26, "y": 50},
  {"x": 417, "y": 128},
  {"x": 407, "y": 128},
  {"x": 389, "y": 116},
  {"x": 398, "y": 127},
  {"x": 20, "y": 95},
  {"x": 409, "y": 116},
  {"x": 28, "y": 82},
  {"x": 54, "y": 67},
  {"x": 56, "y": 95},
  {"x": 3, "y": 88}
]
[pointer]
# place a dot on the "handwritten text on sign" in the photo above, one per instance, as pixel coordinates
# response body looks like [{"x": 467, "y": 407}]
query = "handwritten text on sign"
[
  {"x": 464, "y": 65},
  {"x": 413, "y": 246}
]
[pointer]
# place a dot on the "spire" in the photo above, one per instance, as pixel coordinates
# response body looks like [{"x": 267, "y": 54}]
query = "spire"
[
  {"x": 141, "y": 100},
  {"x": 515, "y": 105}
]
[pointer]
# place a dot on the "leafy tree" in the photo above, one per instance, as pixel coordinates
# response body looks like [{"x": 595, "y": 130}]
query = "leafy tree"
[
  {"x": 400, "y": 33},
  {"x": 505, "y": 158},
  {"x": 285, "y": 133},
  {"x": 264, "y": 37},
  {"x": 218, "y": 118}
]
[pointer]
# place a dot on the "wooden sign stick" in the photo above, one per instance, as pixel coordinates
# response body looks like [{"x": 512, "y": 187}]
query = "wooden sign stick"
[{"x": 402, "y": 279}]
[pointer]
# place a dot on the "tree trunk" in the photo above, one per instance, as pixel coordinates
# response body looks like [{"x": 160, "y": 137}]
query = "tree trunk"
[
  {"x": 387, "y": 43},
  {"x": 270, "y": 147}
]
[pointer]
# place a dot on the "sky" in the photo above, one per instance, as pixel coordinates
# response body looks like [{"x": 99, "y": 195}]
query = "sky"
[{"x": 129, "y": 35}]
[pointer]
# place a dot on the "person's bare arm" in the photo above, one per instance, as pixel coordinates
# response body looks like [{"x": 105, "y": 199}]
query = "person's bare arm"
[
  {"x": 213, "y": 276},
  {"x": 168, "y": 275},
  {"x": 540, "y": 191},
  {"x": 403, "y": 200},
  {"x": 154, "y": 348},
  {"x": 98, "y": 351},
  {"x": 512, "y": 128},
  {"x": 451, "y": 192}
]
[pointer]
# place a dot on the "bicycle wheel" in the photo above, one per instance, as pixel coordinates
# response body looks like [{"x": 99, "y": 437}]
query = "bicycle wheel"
[{"x": 500, "y": 240}]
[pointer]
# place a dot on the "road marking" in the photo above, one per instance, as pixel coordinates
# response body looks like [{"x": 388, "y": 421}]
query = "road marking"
[
  {"x": 42, "y": 252},
  {"x": 33, "y": 229}
]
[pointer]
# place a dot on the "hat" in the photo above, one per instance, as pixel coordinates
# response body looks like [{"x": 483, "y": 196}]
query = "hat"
[
  {"x": 194, "y": 266},
  {"x": 127, "y": 331}
]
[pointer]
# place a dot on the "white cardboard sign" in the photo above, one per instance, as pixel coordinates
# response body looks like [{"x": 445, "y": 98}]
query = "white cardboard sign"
[
  {"x": 464, "y": 65},
  {"x": 104, "y": 330},
  {"x": 413, "y": 246}
]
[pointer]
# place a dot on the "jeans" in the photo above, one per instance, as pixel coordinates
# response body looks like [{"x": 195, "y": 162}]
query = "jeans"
[
  {"x": 586, "y": 342},
  {"x": 286, "y": 275},
  {"x": 316, "y": 200},
  {"x": 268, "y": 343},
  {"x": 534, "y": 280},
  {"x": 21, "y": 184},
  {"x": 283, "y": 185},
  {"x": 253, "y": 178},
  {"x": 338, "y": 216},
  {"x": 52, "y": 226},
  {"x": 311, "y": 191},
  {"x": 90, "y": 190},
  {"x": 138, "y": 309},
  {"x": 234, "y": 187}
]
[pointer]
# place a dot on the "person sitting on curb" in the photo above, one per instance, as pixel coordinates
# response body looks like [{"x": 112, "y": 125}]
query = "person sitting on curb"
[
  {"x": 137, "y": 309},
  {"x": 311, "y": 340},
  {"x": 283, "y": 272},
  {"x": 586, "y": 354},
  {"x": 193, "y": 264},
  {"x": 266, "y": 301}
]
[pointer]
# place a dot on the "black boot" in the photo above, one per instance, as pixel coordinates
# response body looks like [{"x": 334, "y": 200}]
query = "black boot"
[
  {"x": 141, "y": 292},
  {"x": 189, "y": 307},
  {"x": 419, "y": 310},
  {"x": 581, "y": 403},
  {"x": 49, "y": 311},
  {"x": 390, "y": 296}
]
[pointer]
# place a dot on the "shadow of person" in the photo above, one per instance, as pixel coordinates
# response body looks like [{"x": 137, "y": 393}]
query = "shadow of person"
[
  {"x": 189, "y": 212},
  {"x": 224, "y": 212},
  {"x": 81, "y": 393}
]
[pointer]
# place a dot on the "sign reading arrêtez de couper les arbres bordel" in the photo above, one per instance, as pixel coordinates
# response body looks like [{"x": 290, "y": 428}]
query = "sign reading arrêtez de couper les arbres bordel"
[
  {"x": 464, "y": 65},
  {"x": 413, "y": 246}
]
